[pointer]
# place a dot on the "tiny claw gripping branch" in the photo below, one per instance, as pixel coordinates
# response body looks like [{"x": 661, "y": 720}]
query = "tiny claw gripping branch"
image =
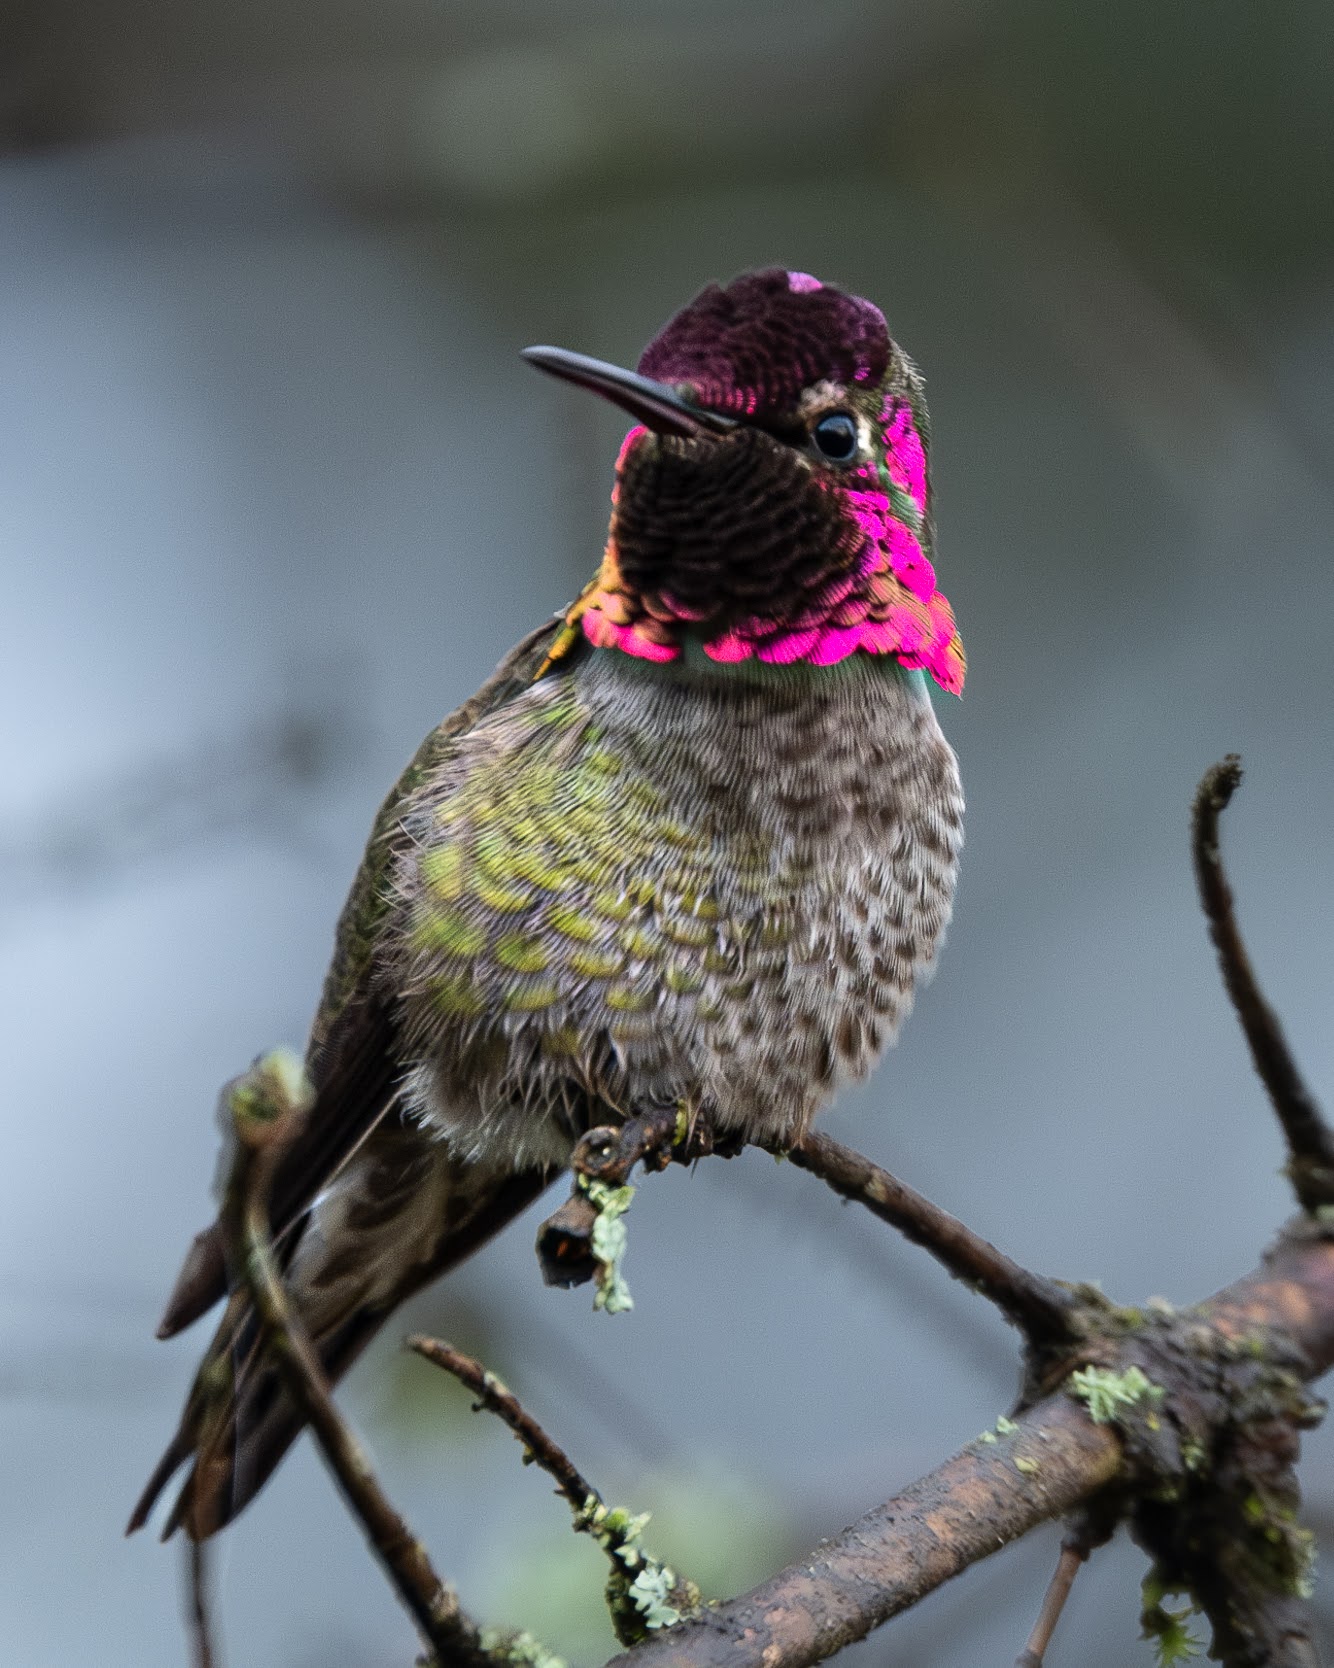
[
  {"x": 1309, "y": 1137},
  {"x": 585, "y": 1239}
]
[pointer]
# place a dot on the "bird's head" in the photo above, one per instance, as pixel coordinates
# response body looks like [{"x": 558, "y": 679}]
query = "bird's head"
[{"x": 773, "y": 502}]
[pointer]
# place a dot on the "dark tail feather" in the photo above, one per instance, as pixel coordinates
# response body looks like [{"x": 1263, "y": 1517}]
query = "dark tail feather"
[
  {"x": 229, "y": 1472},
  {"x": 178, "y": 1451},
  {"x": 405, "y": 1213},
  {"x": 199, "y": 1285}
]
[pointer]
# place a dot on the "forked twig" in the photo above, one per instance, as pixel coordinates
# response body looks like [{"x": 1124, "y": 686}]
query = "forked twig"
[
  {"x": 1209, "y": 1487},
  {"x": 1050, "y": 1459},
  {"x": 988, "y": 1494},
  {"x": 1310, "y": 1139},
  {"x": 268, "y": 1105},
  {"x": 1043, "y": 1310}
]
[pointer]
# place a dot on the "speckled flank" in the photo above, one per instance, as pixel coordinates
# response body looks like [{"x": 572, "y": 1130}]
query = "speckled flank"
[{"x": 636, "y": 886}]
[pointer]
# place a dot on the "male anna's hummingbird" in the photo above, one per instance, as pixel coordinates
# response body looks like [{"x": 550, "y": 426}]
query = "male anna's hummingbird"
[{"x": 690, "y": 846}]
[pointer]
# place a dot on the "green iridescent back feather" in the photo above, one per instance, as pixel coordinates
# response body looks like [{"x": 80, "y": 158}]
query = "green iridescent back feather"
[
  {"x": 566, "y": 865},
  {"x": 363, "y": 915}
]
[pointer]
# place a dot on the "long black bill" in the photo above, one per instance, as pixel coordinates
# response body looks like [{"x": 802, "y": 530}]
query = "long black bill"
[{"x": 656, "y": 404}]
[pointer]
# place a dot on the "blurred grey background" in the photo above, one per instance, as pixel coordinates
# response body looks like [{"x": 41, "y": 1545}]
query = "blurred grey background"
[{"x": 275, "y": 493}]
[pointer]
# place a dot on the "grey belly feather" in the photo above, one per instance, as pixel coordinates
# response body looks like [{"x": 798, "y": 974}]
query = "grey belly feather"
[{"x": 771, "y": 872}]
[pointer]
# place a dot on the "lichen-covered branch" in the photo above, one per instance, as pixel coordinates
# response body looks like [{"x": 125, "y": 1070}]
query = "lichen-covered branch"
[
  {"x": 1043, "y": 1310},
  {"x": 987, "y": 1495},
  {"x": 643, "y": 1594},
  {"x": 1310, "y": 1139},
  {"x": 585, "y": 1239},
  {"x": 1161, "y": 1436},
  {"x": 496, "y": 1397}
]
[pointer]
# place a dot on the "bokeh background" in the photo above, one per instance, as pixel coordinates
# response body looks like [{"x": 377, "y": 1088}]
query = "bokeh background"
[{"x": 275, "y": 493}]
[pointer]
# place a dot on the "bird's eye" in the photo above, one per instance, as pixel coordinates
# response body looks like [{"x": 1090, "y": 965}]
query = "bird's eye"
[{"x": 836, "y": 436}]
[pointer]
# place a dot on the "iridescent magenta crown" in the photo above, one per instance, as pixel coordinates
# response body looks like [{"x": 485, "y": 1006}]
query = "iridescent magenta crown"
[{"x": 751, "y": 348}]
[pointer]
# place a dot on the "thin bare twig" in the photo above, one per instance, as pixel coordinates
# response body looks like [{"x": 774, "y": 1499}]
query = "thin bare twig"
[
  {"x": 1073, "y": 1554},
  {"x": 199, "y": 1607},
  {"x": 499, "y": 1399},
  {"x": 1310, "y": 1139},
  {"x": 601, "y": 1393},
  {"x": 267, "y": 1105},
  {"x": 1043, "y": 1310}
]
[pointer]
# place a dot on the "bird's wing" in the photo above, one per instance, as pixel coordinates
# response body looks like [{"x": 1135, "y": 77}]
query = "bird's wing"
[
  {"x": 351, "y": 1056},
  {"x": 234, "y": 1423}
]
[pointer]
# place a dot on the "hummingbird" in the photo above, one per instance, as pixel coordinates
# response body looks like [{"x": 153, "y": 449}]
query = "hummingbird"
[{"x": 691, "y": 845}]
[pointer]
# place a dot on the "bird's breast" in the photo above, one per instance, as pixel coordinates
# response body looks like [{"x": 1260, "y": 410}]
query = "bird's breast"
[{"x": 639, "y": 884}]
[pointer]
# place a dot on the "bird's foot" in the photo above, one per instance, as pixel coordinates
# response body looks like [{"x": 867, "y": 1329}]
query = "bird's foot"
[
  {"x": 585, "y": 1238},
  {"x": 678, "y": 1134}
]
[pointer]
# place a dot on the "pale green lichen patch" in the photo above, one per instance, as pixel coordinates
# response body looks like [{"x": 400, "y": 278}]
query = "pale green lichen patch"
[
  {"x": 643, "y": 1594},
  {"x": 1109, "y": 1395},
  {"x": 608, "y": 1241},
  {"x": 1028, "y": 1467},
  {"x": 520, "y": 1649},
  {"x": 1172, "y": 1638},
  {"x": 1291, "y": 1549},
  {"x": 650, "y": 1592},
  {"x": 1002, "y": 1427}
]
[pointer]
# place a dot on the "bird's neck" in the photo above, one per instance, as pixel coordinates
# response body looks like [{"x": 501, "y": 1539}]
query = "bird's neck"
[{"x": 693, "y": 667}]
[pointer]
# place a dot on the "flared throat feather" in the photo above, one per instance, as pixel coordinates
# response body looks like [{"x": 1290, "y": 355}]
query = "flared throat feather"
[{"x": 751, "y": 541}]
